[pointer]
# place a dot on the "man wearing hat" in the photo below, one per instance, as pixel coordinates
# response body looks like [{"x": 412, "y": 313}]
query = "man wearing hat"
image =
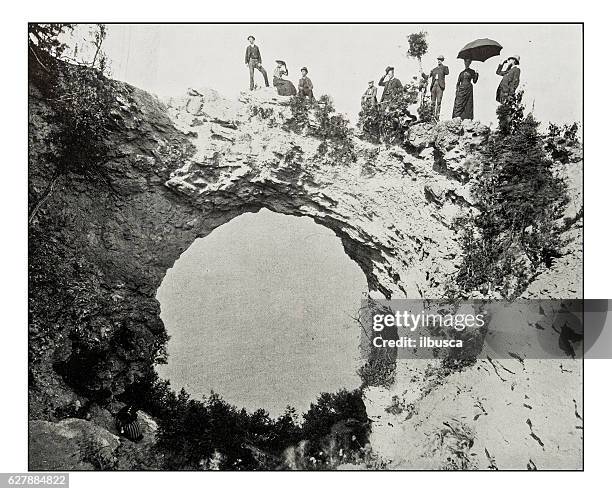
[
  {"x": 369, "y": 97},
  {"x": 438, "y": 84},
  {"x": 252, "y": 59},
  {"x": 305, "y": 85},
  {"x": 511, "y": 76},
  {"x": 392, "y": 85}
]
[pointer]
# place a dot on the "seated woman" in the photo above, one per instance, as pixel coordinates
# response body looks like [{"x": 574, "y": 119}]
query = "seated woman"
[
  {"x": 283, "y": 87},
  {"x": 127, "y": 423}
]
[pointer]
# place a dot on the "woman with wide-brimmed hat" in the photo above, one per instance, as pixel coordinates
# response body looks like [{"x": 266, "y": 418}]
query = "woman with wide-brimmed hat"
[{"x": 283, "y": 86}]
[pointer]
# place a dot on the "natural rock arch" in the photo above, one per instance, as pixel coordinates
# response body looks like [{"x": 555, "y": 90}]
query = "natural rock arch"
[{"x": 176, "y": 176}]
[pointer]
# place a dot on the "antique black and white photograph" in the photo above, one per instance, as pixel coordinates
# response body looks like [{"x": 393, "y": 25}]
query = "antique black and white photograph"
[{"x": 305, "y": 246}]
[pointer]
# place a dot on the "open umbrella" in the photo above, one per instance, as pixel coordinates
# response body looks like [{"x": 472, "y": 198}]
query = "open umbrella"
[{"x": 480, "y": 50}]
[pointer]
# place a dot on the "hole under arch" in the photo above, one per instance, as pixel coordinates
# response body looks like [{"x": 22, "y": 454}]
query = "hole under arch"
[{"x": 261, "y": 311}]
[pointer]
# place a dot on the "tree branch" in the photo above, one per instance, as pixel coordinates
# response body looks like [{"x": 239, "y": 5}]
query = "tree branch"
[{"x": 45, "y": 196}]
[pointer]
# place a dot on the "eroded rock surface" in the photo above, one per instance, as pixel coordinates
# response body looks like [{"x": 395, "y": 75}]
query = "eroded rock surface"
[
  {"x": 185, "y": 167},
  {"x": 94, "y": 444}
]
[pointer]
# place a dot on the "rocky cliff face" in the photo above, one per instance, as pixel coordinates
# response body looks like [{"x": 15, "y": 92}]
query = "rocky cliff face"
[{"x": 188, "y": 165}]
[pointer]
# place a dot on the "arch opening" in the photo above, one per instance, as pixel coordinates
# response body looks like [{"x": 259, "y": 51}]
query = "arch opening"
[{"x": 261, "y": 311}]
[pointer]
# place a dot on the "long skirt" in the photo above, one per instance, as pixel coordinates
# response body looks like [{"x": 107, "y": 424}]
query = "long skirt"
[
  {"x": 131, "y": 430},
  {"x": 284, "y": 87},
  {"x": 464, "y": 102}
]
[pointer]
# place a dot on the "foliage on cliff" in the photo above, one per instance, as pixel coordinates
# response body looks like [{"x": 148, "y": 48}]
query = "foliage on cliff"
[
  {"x": 212, "y": 434},
  {"x": 45, "y": 39},
  {"x": 83, "y": 101},
  {"x": 81, "y": 327},
  {"x": 520, "y": 201},
  {"x": 560, "y": 139},
  {"x": 417, "y": 46},
  {"x": 319, "y": 119},
  {"x": 389, "y": 122}
]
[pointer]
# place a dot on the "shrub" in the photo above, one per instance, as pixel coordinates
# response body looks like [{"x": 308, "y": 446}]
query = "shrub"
[
  {"x": 83, "y": 100},
  {"x": 390, "y": 121},
  {"x": 510, "y": 114},
  {"x": 370, "y": 122},
  {"x": 195, "y": 434},
  {"x": 417, "y": 47},
  {"x": 83, "y": 103},
  {"x": 319, "y": 119},
  {"x": 45, "y": 39},
  {"x": 560, "y": 140},
  {"x": 192, "y": 433},
  {"x": 520, "y": 202},
  {"x": 300, "y": 111},
  {"x": 567, "y": 132},
  {"x": 380, "y": 363},
  {"x": 425, "y": 110},
  {"x": 337, "y": 425},
  {"x": 378, "y": 370},
  {"x": 261, "y": 112},
  {"x": 335, "y": 132}
]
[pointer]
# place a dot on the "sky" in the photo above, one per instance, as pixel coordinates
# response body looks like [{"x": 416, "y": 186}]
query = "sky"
[
  {"x": 342, "y": 58},
  {"x": 260, "y": 310}
]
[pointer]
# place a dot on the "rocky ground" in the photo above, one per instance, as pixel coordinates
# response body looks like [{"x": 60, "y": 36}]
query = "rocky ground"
[{"x": 190, "y": 164}]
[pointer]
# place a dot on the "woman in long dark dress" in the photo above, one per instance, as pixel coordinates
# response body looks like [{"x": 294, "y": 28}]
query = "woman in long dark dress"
[
  {"x": 464, "y": 97},
  {"x": 283, "y": 86}
]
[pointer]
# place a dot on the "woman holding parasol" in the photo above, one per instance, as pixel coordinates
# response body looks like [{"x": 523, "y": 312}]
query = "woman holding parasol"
[
  {"x": 481, "y": 50},
  {"x": 464, "y": 96}
]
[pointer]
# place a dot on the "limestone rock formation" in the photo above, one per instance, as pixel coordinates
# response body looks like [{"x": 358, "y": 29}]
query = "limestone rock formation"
[
  {"x": 183, "y": 168},
  {"x": 71, "y": 444},
  {"x": 94, "y": 444}
]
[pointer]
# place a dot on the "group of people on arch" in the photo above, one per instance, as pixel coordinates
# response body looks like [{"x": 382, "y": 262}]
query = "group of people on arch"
[
  {"x": 284, "y": 87},
  {"x": 464, "y": 93},
  {"x": 463, "y": 107}
]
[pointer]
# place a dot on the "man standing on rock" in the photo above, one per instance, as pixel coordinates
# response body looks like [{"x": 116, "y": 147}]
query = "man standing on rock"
[
  {"x": 511, "y": 77},
  {"x": 438, "y": 84},
  {"x": 252, "y": 60},
  {"x": 305, "y": 85},
  {"x": 393, "y": 86}
]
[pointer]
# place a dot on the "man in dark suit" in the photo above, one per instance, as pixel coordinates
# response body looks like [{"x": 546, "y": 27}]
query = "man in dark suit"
[
  {"x": 511, "y": 76},
  {"x": 305, "y": 85},
  {"x": 438, "y": 83},
  {"x": 252, "y": 59},
  {"x": 393, "y": 86}
]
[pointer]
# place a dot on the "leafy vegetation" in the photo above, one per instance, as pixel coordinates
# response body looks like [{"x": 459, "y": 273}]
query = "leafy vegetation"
[
  {"x": 417, "y": 47},
  {"x": 319, "y": 119},
  {"x": 67, "y": 298},
  {"x": 520, "y": 202},
  {"x": 380, "y": 363},
  {"x": 211, "y": 433},
  {"x": 45, "y": 39},
  {"x": 390, "y": 122},
  {"x": 82, "y": 101},
  {"x": 560, "y": 140}
]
